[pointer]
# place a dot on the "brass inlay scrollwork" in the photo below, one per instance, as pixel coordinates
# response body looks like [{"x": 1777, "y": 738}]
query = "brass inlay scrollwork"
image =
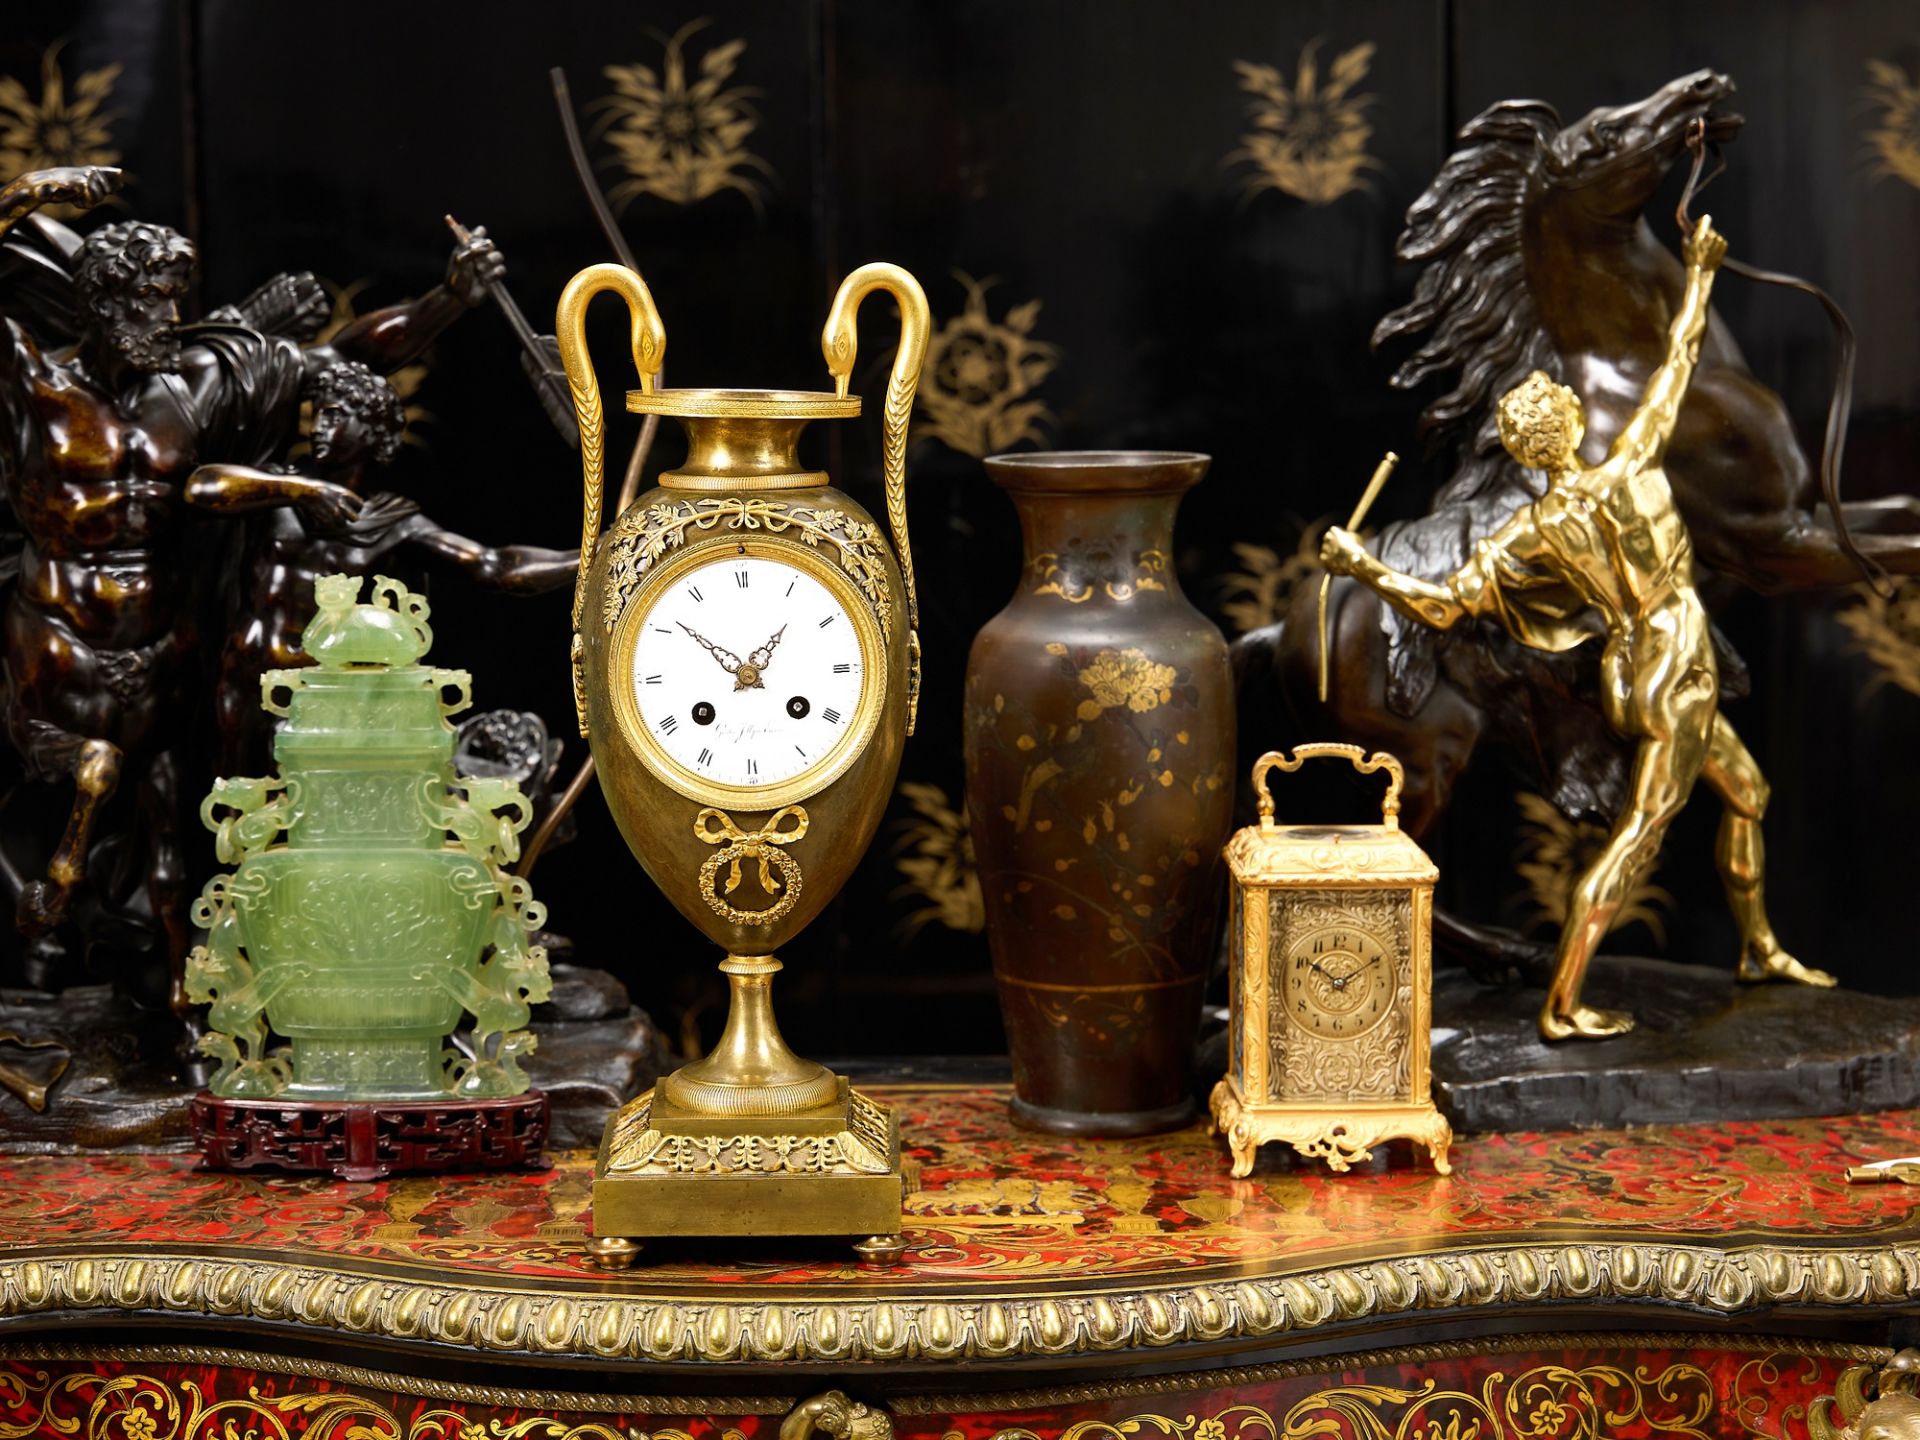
[{"x": 1593, "y": 1402}]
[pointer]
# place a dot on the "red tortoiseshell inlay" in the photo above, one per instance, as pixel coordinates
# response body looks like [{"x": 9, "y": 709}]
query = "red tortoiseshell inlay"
[{"x": 1001, "y": 1206}]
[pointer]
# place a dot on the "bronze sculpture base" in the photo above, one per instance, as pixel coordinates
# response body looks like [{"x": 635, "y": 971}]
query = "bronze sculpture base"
[
  {"x": 369, "y": 1140},
  {"x": 1706, "y": 1049},
  {"x": 835, "y": 1169}
]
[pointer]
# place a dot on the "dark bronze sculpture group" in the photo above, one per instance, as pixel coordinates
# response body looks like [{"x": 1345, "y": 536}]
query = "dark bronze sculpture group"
[
  {"x": 126, "y": 433},
  {"x": 1606, "y": 439}
]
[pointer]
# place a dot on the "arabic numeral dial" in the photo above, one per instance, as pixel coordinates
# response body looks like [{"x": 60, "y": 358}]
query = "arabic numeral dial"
[{"x": 1341, "y": 980}]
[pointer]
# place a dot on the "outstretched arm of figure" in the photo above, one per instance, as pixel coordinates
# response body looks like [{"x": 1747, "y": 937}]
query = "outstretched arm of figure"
[
  {"x": 518, "y": 569},
  {"x": 1502, "y": 559},
  {"x": 84, "y": 186},
  {"x": 1644, "y": 440},
  {"x": 384, "y": 340},
  {"x": 237, "y": 489}
]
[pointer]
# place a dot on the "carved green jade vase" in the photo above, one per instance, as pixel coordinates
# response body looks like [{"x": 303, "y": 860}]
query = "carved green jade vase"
[{"x": 370, "y": 906}]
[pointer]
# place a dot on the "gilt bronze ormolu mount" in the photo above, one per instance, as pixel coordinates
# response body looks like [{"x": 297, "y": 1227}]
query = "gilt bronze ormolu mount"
[{"x": 746, "y": 667}]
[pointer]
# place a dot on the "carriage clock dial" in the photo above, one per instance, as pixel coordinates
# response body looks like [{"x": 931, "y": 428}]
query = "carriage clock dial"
[
  {"x": 755, "y": 674},
  {"x": 1341, "y": 981}
]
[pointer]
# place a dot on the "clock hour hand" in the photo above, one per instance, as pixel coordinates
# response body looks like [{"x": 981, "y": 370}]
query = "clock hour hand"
[
  {"x": 759, "y": 658},
  {"x": 729, "y": 661}
]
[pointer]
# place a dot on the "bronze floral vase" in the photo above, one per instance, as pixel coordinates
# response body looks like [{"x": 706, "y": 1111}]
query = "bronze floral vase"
[{"x": 1099, "y": 749}]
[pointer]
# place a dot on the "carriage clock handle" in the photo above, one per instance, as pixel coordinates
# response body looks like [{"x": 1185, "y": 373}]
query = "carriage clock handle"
[
  {"x": 649, "y": 350},
  {"x": 839, "y": 342},
  {"x": 1366, "y": 764}
]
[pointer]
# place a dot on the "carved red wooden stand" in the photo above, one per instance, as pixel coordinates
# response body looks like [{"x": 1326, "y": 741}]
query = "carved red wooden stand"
[{"x": 369, "y": 1140}]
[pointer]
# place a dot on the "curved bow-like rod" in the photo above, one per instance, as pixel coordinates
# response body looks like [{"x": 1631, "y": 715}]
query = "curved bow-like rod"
[
  {"x": 839, "y": 342},
  {"x": 649, "y": 350}
]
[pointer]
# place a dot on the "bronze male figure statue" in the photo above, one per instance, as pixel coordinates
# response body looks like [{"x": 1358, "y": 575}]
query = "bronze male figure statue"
[
  {"x": 302, "y": 526},
  {"x": 96, "y": 440}
]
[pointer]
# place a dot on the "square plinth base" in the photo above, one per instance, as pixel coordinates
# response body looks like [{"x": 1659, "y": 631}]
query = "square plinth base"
[{"x": 665, "y": 1171}]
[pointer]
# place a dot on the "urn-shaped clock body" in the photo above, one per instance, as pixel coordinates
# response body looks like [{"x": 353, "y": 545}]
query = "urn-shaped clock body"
[
  {"x": 1332, "y": 978},
  {"x": 805, "y": 577},
  {"x": 746, "y": 669}
]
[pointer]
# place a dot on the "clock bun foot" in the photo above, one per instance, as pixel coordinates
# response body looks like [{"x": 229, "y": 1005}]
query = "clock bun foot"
[
  {"x": 881, "y": 1250},
  {"x": 612, "y": 1252}
]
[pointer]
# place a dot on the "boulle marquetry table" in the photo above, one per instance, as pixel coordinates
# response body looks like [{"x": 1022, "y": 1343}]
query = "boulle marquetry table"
[{"x": 1701, "y": 1280}]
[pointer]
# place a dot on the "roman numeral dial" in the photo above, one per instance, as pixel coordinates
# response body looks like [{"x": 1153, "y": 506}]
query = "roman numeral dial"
[{"x": 753, "y": 671}]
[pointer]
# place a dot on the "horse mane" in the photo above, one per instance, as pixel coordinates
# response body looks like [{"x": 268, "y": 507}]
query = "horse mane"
[{"x": 1472, "y": 302}]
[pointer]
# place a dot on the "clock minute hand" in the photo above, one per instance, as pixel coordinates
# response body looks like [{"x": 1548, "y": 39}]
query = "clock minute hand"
[{"x": 729, "y": 661}]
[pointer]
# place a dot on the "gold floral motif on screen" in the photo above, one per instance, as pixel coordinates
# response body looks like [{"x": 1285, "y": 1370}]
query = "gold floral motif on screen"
[
  {"x": 1309, "y": 139},
  {"x": 1895, "y": 136},
  {"x": 1256, "y": 594},
  {"x": 934, "y": 856},
  {"x": 1555, "y": 852},
  {"x": 1887, "y": 631},
  {"x": 681, "y": 136},
  {"x": 55, "y": 129},
  {"x": 976, "y": 387}
]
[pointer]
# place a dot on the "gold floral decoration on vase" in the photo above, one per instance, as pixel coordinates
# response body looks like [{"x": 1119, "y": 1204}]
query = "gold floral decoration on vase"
[
  {"x": 55, "y": 129},
  {"x": 1555, "y": 852},
  {"x": 1309, "y": 139},
  {"x": 677, "y": 138},
  {"x": 1887, "y": 629},
  {"x": 1896, "y": 138},
  {"x": 1127, "y": 677},
  {"x": 934, "y": 856},
  {"x": 1256, "y": 594},
  {"x": 976, "y": 387}
]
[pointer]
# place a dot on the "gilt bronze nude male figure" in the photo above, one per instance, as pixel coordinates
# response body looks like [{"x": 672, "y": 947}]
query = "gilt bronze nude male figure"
[{"x": 1604, "y": 552}]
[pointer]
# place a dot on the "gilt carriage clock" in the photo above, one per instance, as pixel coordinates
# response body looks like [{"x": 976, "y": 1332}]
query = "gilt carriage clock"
[
  {"x": 1332, "y": 981},
  {"x": 746, "y": 668}
]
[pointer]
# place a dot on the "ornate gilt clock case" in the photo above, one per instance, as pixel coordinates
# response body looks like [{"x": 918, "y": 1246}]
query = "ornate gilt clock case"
[
  {"x": 746, "y": 669},
  {"x": 1332, "y": 981}
]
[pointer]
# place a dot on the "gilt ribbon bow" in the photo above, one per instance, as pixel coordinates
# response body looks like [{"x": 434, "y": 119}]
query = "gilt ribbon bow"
[{"x": 753, "y": 845}]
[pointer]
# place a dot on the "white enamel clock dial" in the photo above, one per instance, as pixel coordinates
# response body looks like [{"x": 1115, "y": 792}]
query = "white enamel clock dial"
[{"x": 748, "y": 671}]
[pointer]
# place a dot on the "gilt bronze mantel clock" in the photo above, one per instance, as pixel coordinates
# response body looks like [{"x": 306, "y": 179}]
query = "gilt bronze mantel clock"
[
  {"x": 1332, "y": 982},
  {"x": 746, "y": 668}
]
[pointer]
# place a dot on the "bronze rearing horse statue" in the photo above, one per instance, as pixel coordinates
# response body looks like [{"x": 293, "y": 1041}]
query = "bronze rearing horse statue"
[{"x": 1538, "y": 257}]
